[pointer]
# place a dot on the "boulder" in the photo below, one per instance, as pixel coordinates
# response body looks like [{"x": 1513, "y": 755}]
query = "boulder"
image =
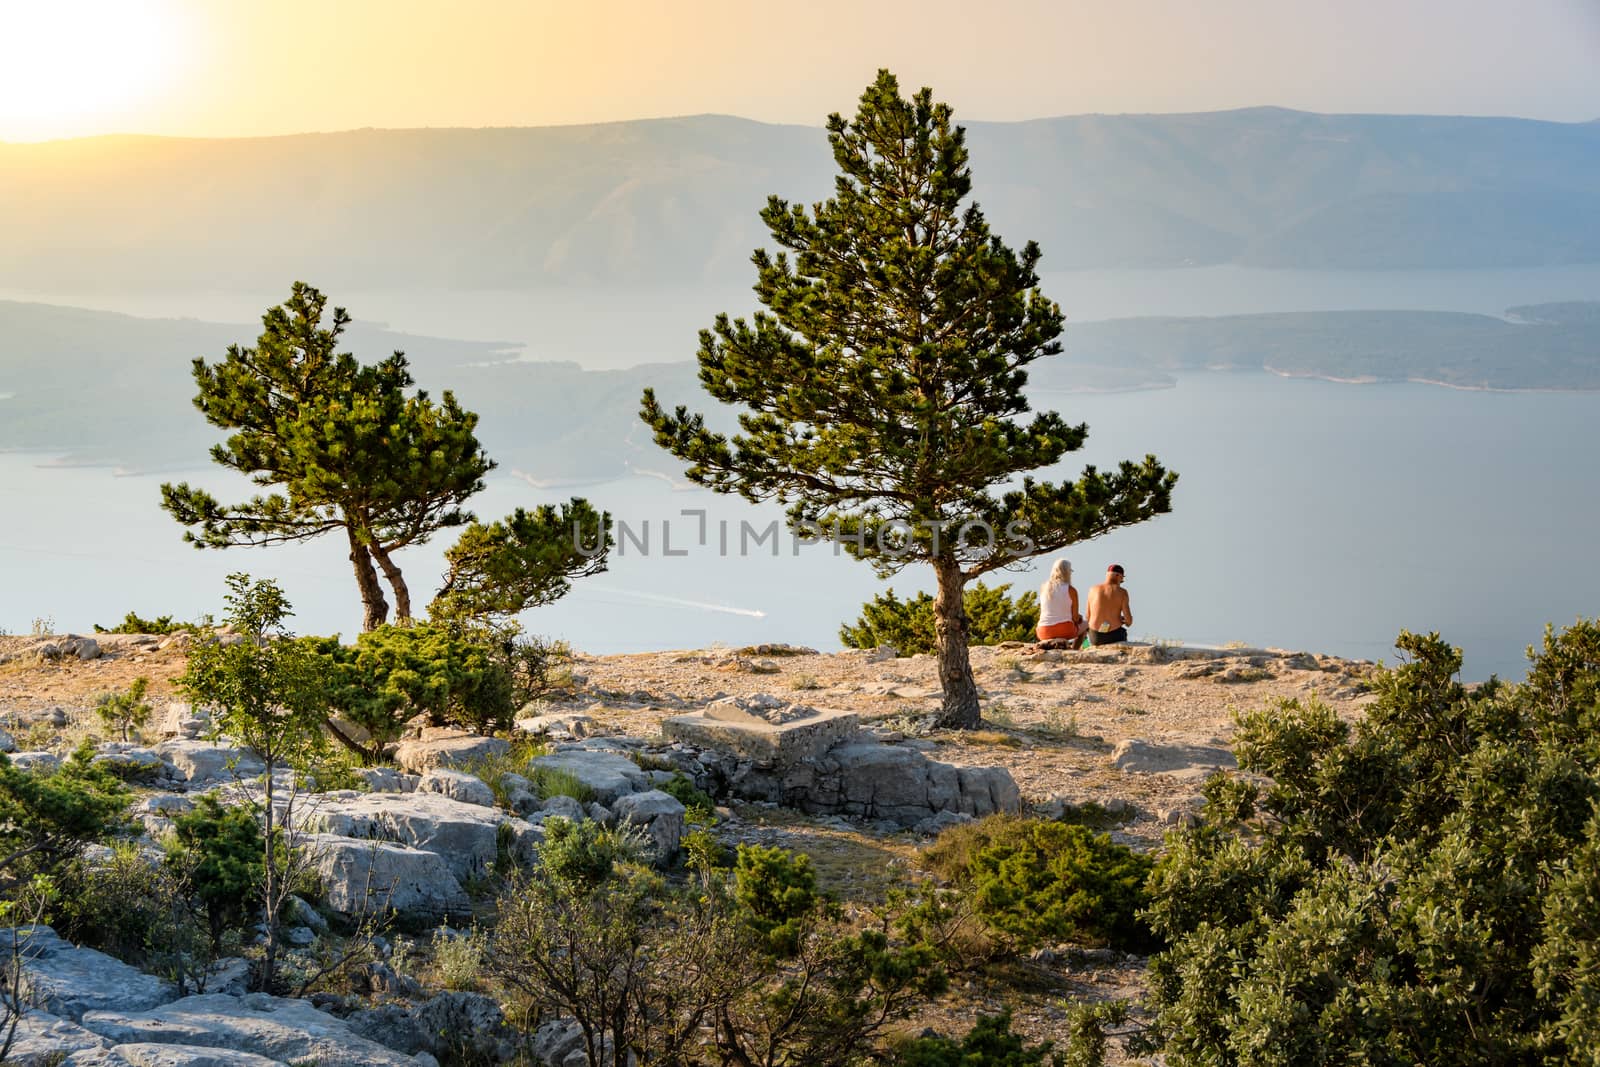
[
  {"x": 449, "y": 750},
  {"x": 457, "y": 785},
  {"x": 42, "y": 1038},
  {"x": 661, "y": 815},
  {"x": 386, "y": 780},
  {"x": 43, "y": 762},
  {"x": 571, "y": 725},
  {"x": 465, "y": 835},
  {"x": 1136, "y": 755},
  {"x": 133, "y": 761},
  {"x": 206, "y": 762},
  {"x": 146, "y": 1054},
  {"x": 455, "y": 1026},
  {"x": 565, "y": 807},
  {"x": 7, "y": 742},
  {"x": 67, "y": 981},
  {"x": 277, "y": 1028},
  {"x": 607, "y": 774},
  {"x": 364, "y": 875},
  {"x": 555, "y": 1040}
]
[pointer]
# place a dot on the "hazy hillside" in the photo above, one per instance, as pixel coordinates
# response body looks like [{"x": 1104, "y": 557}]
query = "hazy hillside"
[
  {"x": 112, "y": 389},
  {"x": 676, "y": 199}
]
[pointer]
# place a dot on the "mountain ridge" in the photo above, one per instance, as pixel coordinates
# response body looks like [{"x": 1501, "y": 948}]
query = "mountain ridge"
[{"x": 658, "y": 201}]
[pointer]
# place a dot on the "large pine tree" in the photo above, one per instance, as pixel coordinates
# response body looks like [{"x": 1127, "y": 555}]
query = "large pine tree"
[{"x": 880, "y": 389}]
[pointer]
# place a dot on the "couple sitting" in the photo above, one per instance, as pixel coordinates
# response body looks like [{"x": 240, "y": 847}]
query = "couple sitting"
[{"x": 1109, "y": 615}]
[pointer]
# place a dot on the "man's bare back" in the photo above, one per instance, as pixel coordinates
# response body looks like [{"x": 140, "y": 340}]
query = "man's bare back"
[{"x": 1109, "y": 612}]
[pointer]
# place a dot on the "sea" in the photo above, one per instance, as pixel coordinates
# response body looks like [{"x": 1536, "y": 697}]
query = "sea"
[{"x": 1309, "y": 515}]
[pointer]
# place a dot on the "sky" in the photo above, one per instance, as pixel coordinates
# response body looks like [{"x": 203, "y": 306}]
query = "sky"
[{"x": 256, "y": 67}]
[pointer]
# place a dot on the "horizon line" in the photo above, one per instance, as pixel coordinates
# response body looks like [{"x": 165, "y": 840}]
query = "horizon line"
[{"x": 638, "y": 120}]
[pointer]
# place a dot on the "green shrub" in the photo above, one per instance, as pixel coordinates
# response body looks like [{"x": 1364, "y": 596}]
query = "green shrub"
[
  {"x": 492, "y": 769},
  {"x": 775, "y": 891},
  {"x": 161, "y": 625},
  {"x": 46, "y": 818},
  {"x": 125, "y": 712},
  {"x": 584, "y": 854},
  {"x": 1047, "y": 881},
  {"x": 990, "y": 1043},
  {"x": 455, "y": 676},
  {"x": 132, "y": 907},
  {"x": 993, "y": 616},
  {"x": 220, "y": 849},
  {"x": 698, "y": 805},
  {"x": 1415, "y": 887},
  {"x": 458, "y": 960}
]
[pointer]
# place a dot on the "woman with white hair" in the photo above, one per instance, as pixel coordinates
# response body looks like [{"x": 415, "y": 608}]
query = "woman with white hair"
[{"x": 1059, "y": 618}]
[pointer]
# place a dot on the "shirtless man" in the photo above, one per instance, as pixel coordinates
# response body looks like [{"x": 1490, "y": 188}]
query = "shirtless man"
[{"x": 1109, "y": 615}]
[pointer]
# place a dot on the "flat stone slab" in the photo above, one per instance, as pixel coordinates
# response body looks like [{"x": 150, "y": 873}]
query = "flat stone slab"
[
  {"x": 275, "y": 1028},
  {"x": 751, "y": 737},
  {"x": 1188, "y": 761},
  {"x": 67, "y": 981}
]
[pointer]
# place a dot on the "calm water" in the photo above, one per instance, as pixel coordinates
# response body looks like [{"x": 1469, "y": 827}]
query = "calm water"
[
  {"x": 620, "y": 327},
  {"x": 1309, "y": 515}
]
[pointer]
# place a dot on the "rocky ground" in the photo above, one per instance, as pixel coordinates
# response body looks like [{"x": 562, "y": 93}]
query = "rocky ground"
[{"x": 1135, "y": 729}]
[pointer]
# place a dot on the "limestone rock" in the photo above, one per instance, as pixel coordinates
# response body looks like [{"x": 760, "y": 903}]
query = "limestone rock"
[
  {"x": 464, "y": 835},
  {"x": 575, "y": 726},
  {"x": 205, "y": 762},
  {"x": 1189, "y": 761},
  {"x": 7, "y": 742},
  {"x": 448, "y": 750},
  {"x": 42, "y": 1037},
  {"x": 135, "y": 761},
  {"x": 147, "y": 1054},
  {"x": 660, "y": 814},
  {"x": 565, "y": 807},
  {"x": 609, "y": 775},
  {"x": 459, "y": 1026},
  {"x": 277, "y": 1028},
  {"x": 386, "y": 780},
  {"x": 361, "y": 875},
  {"x": 43, "y": 762},
  {"x": 67, "y": 981},
  {"x": 457, "y": 785}
]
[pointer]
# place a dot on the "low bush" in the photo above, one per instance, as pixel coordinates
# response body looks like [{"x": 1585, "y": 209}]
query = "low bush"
[
  {"x": 990, "y": 1043},
  {"x": 1036, "y": 881},
  {"x": 219, "y": 849},
  {"x": 776, "y": 891},
  {"x": 394, "y": 673},
  {"x": 993, "y": 616},
  {"x": 134, "y": 907},
  {"x": 161, "y": 625},
  {"x": 697, "y": 803},
  {"x": 46, "y": 818}
]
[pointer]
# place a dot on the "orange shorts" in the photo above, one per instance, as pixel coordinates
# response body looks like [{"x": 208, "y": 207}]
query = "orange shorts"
[{"x": 1058, "y": 631}]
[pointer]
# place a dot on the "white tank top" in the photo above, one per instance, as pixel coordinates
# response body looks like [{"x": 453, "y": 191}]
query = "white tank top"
[{"x": 1055, "y": 605}]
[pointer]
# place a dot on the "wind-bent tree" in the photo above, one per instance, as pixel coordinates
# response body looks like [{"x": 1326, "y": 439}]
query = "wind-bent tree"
[
  {"x": 349, "y": 447},
  {"x": 881, "y": 387},
  {"x": 496, "y": 570}
]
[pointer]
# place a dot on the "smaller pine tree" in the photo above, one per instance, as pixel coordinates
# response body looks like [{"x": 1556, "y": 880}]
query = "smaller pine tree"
[{"x": 125, "y": 712}]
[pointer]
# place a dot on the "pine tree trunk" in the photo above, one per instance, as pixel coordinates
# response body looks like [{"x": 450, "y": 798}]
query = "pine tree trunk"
[
  {"x": 397, "y": 582},
  {"x": 960, "y": 709},
  {"x": 375, "y": 610}
]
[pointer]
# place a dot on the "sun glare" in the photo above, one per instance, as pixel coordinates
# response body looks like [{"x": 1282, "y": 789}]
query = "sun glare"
[{"x": 75, "y": 67}]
